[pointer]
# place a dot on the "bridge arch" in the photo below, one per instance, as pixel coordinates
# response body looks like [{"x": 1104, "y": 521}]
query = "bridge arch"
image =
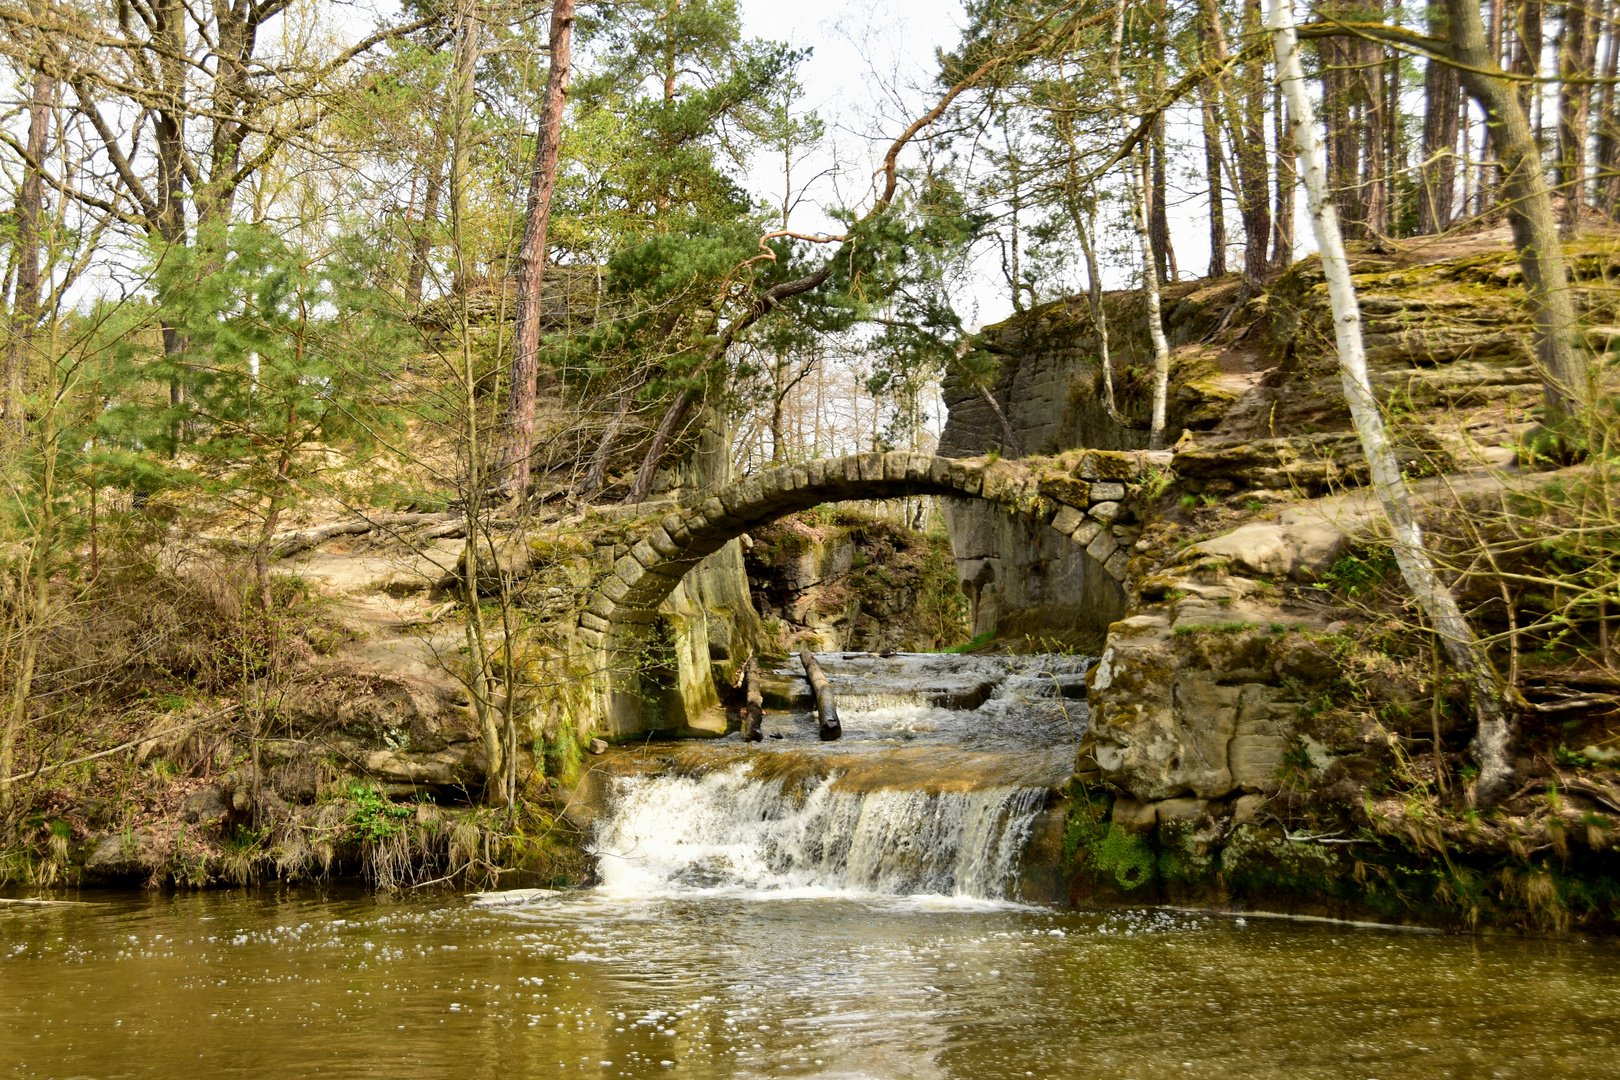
[{"x": 625, "y": 605}]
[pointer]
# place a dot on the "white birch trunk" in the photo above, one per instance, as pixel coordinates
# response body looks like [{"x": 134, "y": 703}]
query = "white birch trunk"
[
  {"x": 1491, "y": 741},
  {"x": 1136, "y": 189}
]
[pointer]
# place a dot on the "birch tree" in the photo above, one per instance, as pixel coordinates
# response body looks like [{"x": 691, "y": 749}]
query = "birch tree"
[
  {"x": 1136, "y": 187},
  {"x": 1493, "y": 737}
]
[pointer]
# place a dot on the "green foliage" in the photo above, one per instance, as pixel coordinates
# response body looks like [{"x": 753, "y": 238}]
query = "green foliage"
[
  {"x": 280, "y": 357},
  {"x": 372, "y": 815},
  {"x": 1129, "y": 859},
  {"x": 978, "y": 642},
  {"x": 1157, "y": 480},
  {"x": 942, "y": 606},
  {"x": 1360, "y": 575}
]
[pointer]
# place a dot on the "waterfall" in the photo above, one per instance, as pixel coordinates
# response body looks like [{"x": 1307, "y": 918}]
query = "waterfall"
[{"x": 730, "y": 830}]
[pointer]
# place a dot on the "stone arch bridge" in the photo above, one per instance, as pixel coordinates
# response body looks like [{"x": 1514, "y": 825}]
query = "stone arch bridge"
[{"x": 1079, "y": 494}]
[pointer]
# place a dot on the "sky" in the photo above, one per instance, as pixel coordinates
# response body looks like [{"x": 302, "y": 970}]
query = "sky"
[{"x": 871, "y": 72}]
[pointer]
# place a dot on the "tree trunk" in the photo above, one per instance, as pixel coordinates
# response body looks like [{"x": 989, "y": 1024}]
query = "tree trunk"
[
  {"x": 1136, "y": 185},
  {"x": 25, "y": 307},
  {"x": 1439, "y": 170},
  {"x": 756, "y": 702},
  {"x": 1374, "y": 182},
  {"x": 1251, "y": 160},
  {"x": 1341, "y": 146},
  {"x": 673, "y": 416},
  {"x": 1493, "y": 738},
  {"x": 1282, "y": 230},
  {"x": 1527, "y": 61},
  {"x": 1575, "y": 60},
  {"x": 1212, "y": 169},
  {"x": 1010, "y": 447},
  {"x": 1608, "y": 130},
  {"x": 532, "y": 257},
  {"x": 827, "y": 725},
  {"x": 596, "y": 475},
  {"x": 422, "y": 243},
  {"x": 1566, "y": 381},
  {"x": 1099, "y": 316},
  {"x": 1159, "y": 212}
]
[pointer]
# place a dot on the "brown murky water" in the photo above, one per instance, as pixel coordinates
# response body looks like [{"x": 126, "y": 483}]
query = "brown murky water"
[{"x": 337, "y": 983}]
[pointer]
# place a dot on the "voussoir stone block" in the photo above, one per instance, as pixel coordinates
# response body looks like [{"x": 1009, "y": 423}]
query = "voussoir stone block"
[
  {"x": 590, "y": 637},
  {"x": 966, "y": 478},
  {"x": 1107, "y": 491},
  {"x": 601, "y": 606},
  {"x": 1067, "y": 519},
  {"x": 994, "y": 487},
  {"x": 738, "y": 499},
  {"x": 592, "y": 622},
  {"x": 939, "y": 470},
  {"x": 614, "y": 588},
  {"x": 713, "y": 511},
  {"x": 871, "y": 467},
  {"x": 629, "y": 570},
  {"x": 645, "y": 554},
  {"x": 1106, "y": 511},
  {"x": 851, "y": 470},
  {"x": 1116, "y": 565},
  {"x": 662, "y": 543},
  {"x": 1102, "y": 546},
  {"x": 919, "y": 467},
  {"x": 1085, "y": 532}
]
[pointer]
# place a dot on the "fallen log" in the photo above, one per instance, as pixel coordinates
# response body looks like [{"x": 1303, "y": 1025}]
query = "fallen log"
[
  {"x": 292, "y": 543},
  {"x": 826, "y": 710},
  {"x": 756, "y": 702}
]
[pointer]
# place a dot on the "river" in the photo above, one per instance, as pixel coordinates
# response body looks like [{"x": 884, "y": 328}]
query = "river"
[{"x": 792, "y": 909}]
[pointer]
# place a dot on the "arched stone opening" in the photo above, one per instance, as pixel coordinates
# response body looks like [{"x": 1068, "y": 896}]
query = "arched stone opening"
[{"x": 622, "y": 618}]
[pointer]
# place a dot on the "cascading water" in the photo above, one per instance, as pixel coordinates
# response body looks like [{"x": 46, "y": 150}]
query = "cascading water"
[
  {"x": 728, "y": 829},
  {"x": 918, "y": 798}
]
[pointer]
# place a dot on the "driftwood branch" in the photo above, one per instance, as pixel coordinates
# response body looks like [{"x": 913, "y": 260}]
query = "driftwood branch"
[
  {"x": 142, "y": 741},
  {"x": 826, "y": 710},
  {"x": 756, "y": 702}
]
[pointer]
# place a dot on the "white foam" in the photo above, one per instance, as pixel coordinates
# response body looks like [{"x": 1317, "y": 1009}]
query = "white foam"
[{"x": 727, "y": 833}]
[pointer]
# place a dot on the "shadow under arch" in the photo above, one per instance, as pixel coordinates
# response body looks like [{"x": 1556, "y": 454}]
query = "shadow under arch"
[{"x": 622, "y": 613}]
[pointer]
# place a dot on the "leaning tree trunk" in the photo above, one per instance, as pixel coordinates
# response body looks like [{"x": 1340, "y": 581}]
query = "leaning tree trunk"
[
  {"x": 1566, "y": 381},
  {"x": 1493, "y": 739},
  {"x": 827, "y": 725},
  {"x": 532, "y": 257},
  {"x": 753, "y": 714}
]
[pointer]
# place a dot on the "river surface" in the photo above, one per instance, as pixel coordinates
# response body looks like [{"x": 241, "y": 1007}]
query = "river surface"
[{"x": 850, "y": 910}]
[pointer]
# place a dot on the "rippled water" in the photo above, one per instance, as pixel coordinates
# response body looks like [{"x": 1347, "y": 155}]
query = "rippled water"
[
  {"x": 793, "y": 909},
  {"x": 310, "y": 983}
]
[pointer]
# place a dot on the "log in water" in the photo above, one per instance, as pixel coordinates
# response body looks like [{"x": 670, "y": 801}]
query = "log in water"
[
  {"x": 756, "y": 702},
  {"x": 826, "y": 710}
]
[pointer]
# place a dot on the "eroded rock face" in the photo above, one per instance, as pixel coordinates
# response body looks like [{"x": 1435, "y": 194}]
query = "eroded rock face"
[
  {"x": 123, "y": 857},
  {"x": 1195, "y": 714}
]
